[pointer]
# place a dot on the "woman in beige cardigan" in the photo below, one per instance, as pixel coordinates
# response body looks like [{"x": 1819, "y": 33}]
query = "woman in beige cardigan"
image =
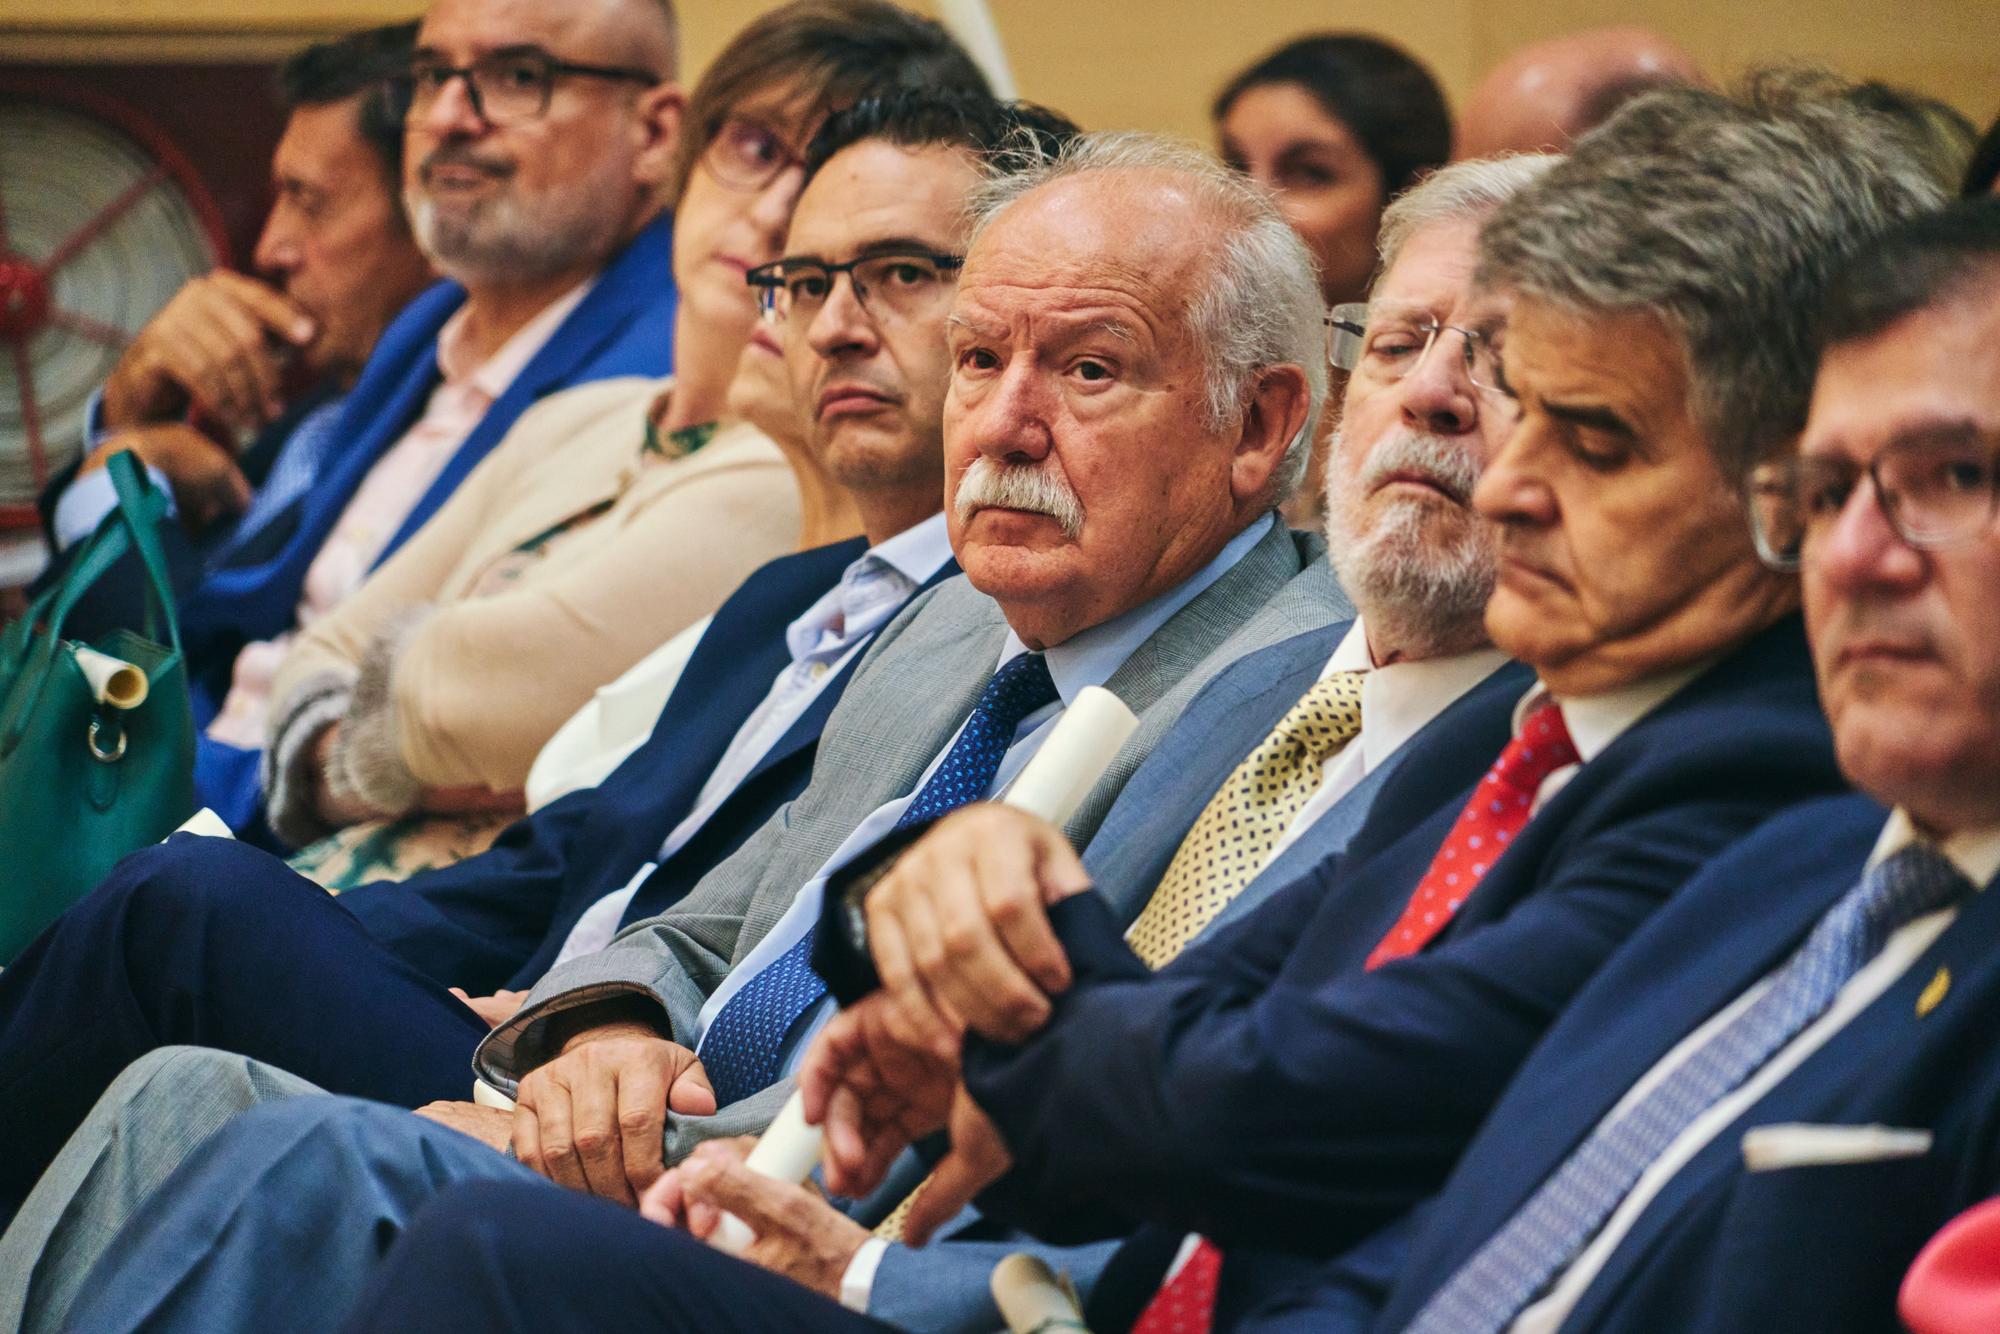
[{"x": 610, "y": 518}]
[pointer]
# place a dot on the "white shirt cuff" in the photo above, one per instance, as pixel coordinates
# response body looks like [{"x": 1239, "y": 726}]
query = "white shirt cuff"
[
  {"x": 857, "y": 1285},
  {"x": 85, "y": 501}
]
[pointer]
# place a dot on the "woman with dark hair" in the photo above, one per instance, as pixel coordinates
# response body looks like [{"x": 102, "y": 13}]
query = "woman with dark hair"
[{"x": 1335, "y": 125}]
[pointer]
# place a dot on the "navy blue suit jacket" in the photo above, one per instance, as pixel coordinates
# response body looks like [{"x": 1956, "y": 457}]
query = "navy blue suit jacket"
[
  {"x": 1808, "y": 1246},
  {"x": 500, "y": 918},
  {"x": 1266, "y": 1090},
  {"x": 623, "y": 327}
]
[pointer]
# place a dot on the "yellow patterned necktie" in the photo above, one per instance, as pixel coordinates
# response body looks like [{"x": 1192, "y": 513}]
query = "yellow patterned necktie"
[
  {"x": 1234, "y": 834},
  {"x": 1233, "y": 837}
]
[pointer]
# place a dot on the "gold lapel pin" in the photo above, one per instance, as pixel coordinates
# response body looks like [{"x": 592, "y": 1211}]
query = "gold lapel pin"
[{"x": 1934, "y": 993}]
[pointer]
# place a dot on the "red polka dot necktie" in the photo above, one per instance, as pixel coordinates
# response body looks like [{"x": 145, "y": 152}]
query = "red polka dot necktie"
[{"x": 1498, "y": 810}]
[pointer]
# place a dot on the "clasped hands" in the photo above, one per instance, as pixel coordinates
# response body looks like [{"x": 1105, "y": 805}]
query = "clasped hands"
[
  {"x": 960, "y": 934},
  {"x": 961, "y": 939}
]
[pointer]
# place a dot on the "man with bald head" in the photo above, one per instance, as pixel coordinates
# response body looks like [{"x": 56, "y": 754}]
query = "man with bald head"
[
  {"x": 1547, "y": 94},
  {"x": 538, "y": 141}
]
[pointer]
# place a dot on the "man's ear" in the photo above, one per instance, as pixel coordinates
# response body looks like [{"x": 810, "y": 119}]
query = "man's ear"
[
  {"x": 1275, "y": 413},
  {"x": 662, "y": 110}
]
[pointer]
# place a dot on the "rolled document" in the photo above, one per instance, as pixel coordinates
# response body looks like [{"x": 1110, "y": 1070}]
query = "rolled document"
[
  {"x": 206, "y": 823},
  {"x": 788, "y": 1150},
  {"x": 113, "y": 681},
  {"x": 1054, "y": 783},
  {"x": 972, "y": 23},
  {"x": 1032, "y": 1299}
]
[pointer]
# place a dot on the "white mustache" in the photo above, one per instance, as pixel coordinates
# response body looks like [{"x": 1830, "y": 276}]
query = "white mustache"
[{"x": 988, "y": 485}]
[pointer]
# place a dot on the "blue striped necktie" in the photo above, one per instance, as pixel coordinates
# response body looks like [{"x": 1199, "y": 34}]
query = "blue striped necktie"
[
  {"x": 1489, "y": 1291},
  {"x": 744, "y": 1044}
]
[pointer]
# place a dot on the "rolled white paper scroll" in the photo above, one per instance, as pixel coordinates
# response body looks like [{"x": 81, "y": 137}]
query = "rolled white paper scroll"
[
  {"x": 1054, "y": 783},
  {"x": 113, "y": 681},
  {"x": 972, "y": 23},
  {"x": 1032, "y": 1299}
]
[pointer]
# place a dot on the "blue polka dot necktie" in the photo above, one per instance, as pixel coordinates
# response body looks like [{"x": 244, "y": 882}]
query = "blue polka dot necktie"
[
  {"x": 1508, "y": 1273},
  {"x": 742, "y": 1048}
]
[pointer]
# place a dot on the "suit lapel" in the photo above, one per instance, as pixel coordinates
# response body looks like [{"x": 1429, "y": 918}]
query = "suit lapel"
[
  {"x": 625, "y": 290},
  {"x": 1963, "y": 946},
  {"x": 1629, "y": 1018}
]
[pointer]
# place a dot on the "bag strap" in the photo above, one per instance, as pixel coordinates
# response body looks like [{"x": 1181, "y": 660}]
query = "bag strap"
[{"x": 141, "y": 506}]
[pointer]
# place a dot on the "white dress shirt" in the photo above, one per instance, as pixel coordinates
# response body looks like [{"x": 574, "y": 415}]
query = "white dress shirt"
[
  {"x": 1976, "y": 854},
  {"x": 870, "y": 592}
]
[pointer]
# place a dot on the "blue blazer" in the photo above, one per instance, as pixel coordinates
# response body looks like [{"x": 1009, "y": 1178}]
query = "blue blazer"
[
  {"x": 943, "y": 1287},
  {"x": 1806, "y": 1247},
  {"x": 623, "y": 327},
  {"x": 1267, "y": 1091},
  {"x": 499, "y": 919}
]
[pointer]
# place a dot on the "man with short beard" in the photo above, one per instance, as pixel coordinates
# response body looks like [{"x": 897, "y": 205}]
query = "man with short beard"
[{"x": 538, "y": 145}]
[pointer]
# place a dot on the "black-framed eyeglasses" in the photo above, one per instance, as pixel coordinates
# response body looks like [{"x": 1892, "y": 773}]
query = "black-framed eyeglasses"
[
  {"x": 746, "y": 154},
  {"x": 505, "y": 87},
  {"x": 893, "y": 284},
  {"x": 1934, "y": 492},
  {"x": 1388, "y": 345}
]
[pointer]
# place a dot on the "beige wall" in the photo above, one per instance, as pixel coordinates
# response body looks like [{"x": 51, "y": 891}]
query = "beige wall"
[{"x": 1155, "y": 63}]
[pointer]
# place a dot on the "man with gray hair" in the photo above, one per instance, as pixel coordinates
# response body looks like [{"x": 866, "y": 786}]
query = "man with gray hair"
[{"x": 686, "y": 1026}]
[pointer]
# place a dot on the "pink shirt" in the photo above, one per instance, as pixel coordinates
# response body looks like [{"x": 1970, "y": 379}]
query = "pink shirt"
[{"x": 385, "y": 498}]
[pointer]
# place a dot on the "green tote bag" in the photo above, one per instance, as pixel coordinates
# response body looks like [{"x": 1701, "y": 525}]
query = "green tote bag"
[{"x": 96, "y": 740}]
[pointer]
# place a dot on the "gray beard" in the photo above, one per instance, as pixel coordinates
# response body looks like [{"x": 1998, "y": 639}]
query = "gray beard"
[
  {"x": 497, "y": 243},
  {"x": 1419, "y": 575}
]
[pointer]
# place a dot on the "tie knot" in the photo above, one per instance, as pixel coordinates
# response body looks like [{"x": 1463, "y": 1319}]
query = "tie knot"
[
  {"x": 1915, "y": 880},
  {"x": 1328, "y": 716},
  {"x": 1542, "y": 748},
  {"x": 1021, "y": 686}
]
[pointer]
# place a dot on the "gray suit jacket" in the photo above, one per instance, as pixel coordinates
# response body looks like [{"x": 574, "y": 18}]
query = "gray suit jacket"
[{"x": 911, "y": 692}]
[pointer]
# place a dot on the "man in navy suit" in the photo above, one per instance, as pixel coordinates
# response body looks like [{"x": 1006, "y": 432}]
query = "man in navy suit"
[
  {"x": 544, "y": 206},
  {"x": 1806, "y": 1135},
  {"x": 1307, "y": 1075}
]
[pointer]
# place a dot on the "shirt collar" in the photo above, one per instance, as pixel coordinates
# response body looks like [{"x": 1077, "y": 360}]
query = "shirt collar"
[
  {"x": 916, "y": 553},
  {"x": 1595, "y": 721},
  {"x": 1400, "y": 700},
  {"x": 1091, "y": 657},
  {"x": 492, "y": 376},
  {"x": 906, "y": 560},
  {"x": 1975, "y": 852}
]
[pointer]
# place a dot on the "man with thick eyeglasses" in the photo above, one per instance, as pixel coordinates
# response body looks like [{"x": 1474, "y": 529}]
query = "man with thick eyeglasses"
[
  {"x": 1756, "y": 1115},
  {"x": 507, "y": 86}
]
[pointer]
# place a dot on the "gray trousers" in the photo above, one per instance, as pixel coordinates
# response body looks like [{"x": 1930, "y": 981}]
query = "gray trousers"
[{"x": 161, "y": 1109}]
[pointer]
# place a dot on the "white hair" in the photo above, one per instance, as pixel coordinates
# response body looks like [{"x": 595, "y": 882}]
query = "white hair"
[{"x": 1259, "y": 305}]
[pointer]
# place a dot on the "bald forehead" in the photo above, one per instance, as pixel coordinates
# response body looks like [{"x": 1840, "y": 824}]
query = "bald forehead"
[
  {"x": 637, "y": 32},
  {"x": 1130, "y": 227}
]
